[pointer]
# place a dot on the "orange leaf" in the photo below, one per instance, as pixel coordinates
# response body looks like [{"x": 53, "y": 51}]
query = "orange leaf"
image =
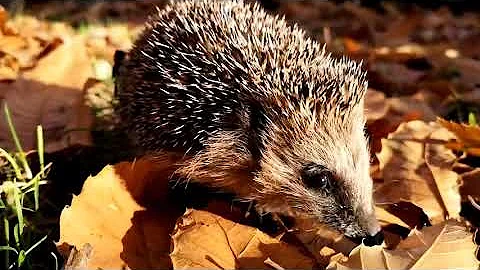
[
  {"x": 205, "y": 240},
  {"x": 51, "y": 95},
  {"x": 107, "y": 216},
  {"x": 414, "y": 170},
  {"x": 447, "y": 245},
  {"x": 468, "y": 136}
]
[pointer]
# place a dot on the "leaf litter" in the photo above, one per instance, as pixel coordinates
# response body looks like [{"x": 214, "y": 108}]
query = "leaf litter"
[{"x": 51, "y": 74}]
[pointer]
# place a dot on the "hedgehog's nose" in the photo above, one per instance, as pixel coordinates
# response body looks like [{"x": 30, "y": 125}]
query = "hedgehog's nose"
[{"x": 375, "y": 240}]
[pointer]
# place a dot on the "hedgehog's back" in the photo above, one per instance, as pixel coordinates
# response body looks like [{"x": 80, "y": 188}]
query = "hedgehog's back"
[{"x": 201, "y": 64}]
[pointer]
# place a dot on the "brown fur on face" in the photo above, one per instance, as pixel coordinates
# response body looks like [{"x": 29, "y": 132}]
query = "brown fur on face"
[{"x": 338, "y": 144}]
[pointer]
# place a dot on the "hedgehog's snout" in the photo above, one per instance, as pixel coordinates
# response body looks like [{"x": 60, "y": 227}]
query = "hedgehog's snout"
[
  {"x": 367, "y": 230},
  {"x": 374, "y": 240},
  {"x": 369, "y": 240},
  {"x": 374, "y": 235}
]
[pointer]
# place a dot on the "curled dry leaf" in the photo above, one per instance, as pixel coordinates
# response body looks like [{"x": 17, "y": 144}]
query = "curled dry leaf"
[
  {"x": 447, "y": 245},
  {"x": 414, "y": 170},
  {"x": 467, "y": 137},
  {"x": 205, "y": 240}
]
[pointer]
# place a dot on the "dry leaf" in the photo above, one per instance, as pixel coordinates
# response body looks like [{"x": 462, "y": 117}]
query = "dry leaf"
[
  {"x": 376, "y": 105},
  {"x": 440, "y": 161},
  {"x": 120, "y": 231},
  {"x": 404, "y": 161},
  {"x": 447, "y": 245},
  {"x": 399, "y": 110},
  {"x": 99, "y": 216},
  {"x": 9, "y": 67},
  {"x": 321, "y": 241},
  {"x": 471, "y": 183},
  {"x": 205, "y": 240},
  {"x": 3, "y": 17},
  {"x": 51, "y": 95},
  {"x": 468, "y": 137},
  {"x": 385, "y": 218}
]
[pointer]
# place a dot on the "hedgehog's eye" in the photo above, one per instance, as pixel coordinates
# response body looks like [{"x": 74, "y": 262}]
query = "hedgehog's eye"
[{"x": 317, "y": 177}]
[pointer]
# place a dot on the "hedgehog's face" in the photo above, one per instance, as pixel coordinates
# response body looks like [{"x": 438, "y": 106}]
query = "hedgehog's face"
[{"x": 323, "y": 173}]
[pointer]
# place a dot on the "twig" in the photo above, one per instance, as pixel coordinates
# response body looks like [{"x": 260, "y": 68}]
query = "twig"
[
  {"x": 273, "y": 264},
  {"x": 473, "y": 202}
]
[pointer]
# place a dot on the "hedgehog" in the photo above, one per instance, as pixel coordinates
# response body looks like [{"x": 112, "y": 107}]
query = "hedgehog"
[{"x": 255, "y": 107}]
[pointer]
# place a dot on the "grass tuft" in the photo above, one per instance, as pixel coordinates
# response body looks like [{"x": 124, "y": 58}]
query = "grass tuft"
[{"x": 20, "y": 203}]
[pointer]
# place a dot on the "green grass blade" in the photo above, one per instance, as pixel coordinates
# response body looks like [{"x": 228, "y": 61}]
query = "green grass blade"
[
  {"x": 7, "y": 239},
  {"x": 7, "y": 248},
  {"x": 40, "y": 147},
  {"x": 18, "y": 211},
  {"x": 11, "y": 160},
  {"x": 16, "y": 236},
  {"x": 31, "y": 189},
  {"x": 28, "y": 209},
  {"x": 7, "y": 230},
  {"x": 35, "y": 182},
  {"x": 37, "y": 177},
  {"x": 472, "y": 120},
  {"x": 7, "y": 255},
  {"x": 21, "y": 258},
  {"x": 16, "y": 140},
  {"x": 35, "y": 245}
]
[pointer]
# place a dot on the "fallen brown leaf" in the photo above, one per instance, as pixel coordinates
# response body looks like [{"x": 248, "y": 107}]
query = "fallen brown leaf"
[
  {"x": 376, "y": 105},
  {"x": 399, "y": 110},
  {"x": 321, "y": 241},
  {"x": 468, "y": 137},
  {"x": 3, "y": 17},
  {"x": 9, "y": 67},
  {"x": 106, "y": 216},
  {"x": 447, "y": 245},
  {"x": 51, "y": 95},
  {"x": 204, "y": 240},
  {"x": 103, "y": 203},
  {"x": 471, "y": 184},
  {"x": 414, "y": 170}
]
